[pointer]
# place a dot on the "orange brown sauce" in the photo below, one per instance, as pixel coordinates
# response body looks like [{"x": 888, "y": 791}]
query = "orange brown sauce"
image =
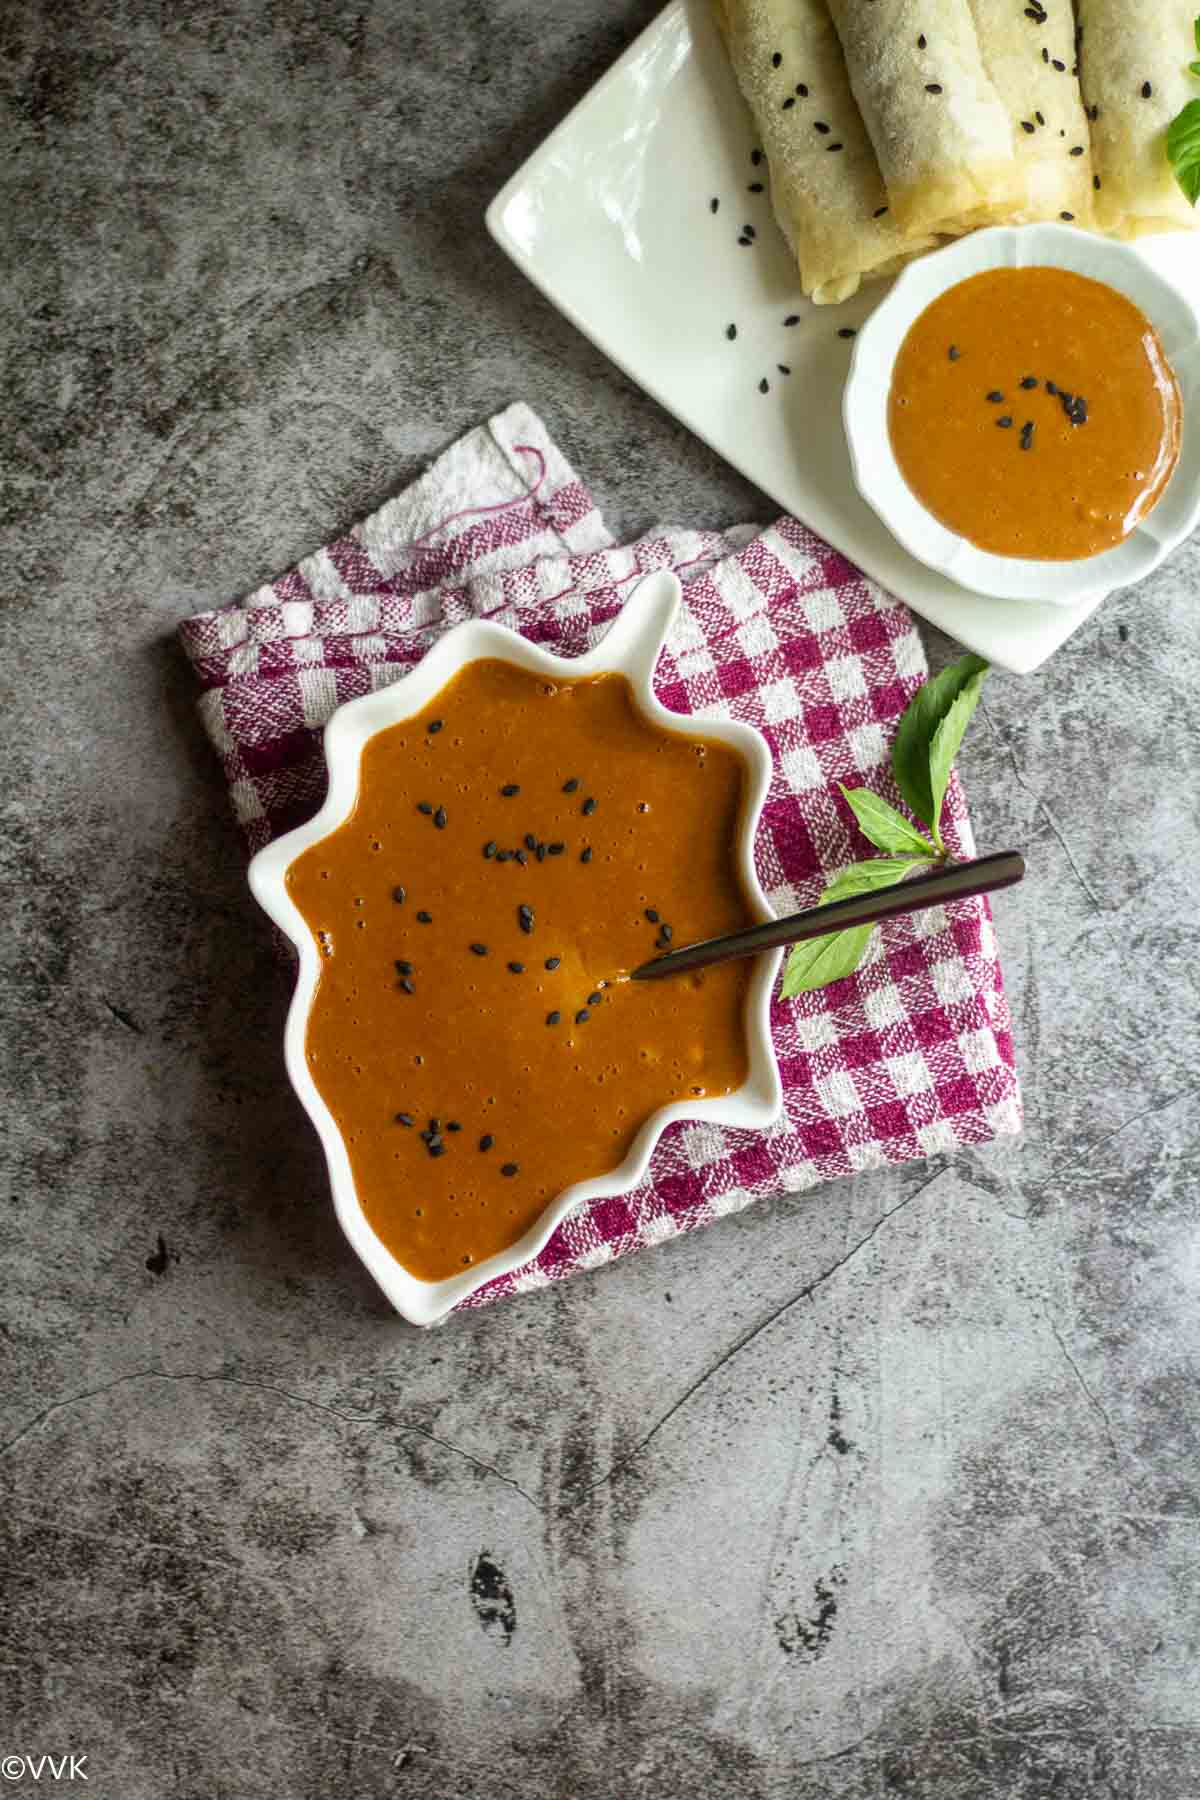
[
  {"x": 1051, "y": 484},
  {"x": 470, "y": 1045}
]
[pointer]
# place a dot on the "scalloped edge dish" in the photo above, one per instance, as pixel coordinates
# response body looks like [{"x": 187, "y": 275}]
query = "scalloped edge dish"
[{"x": 630, "y": 647}]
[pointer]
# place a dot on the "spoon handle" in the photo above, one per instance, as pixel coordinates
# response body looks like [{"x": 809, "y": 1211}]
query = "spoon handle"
[{"x": 961, "y": 881}]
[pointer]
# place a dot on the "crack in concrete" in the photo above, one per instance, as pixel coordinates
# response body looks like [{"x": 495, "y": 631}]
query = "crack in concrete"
[
  {"x": 1091, "y": 1398},
  {"x": 755, "y": 1331},
  {"x": 1049, "y": 817},
  {"x": 400, "y": 1425},
  {"x": 1151, "y": 1112}
]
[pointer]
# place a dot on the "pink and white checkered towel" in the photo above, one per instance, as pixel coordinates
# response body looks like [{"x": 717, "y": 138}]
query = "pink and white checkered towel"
[{"x": 911, "y": 1055}]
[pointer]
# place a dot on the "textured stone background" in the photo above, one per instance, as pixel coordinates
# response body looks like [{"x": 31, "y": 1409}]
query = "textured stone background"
[{"x": 889, "y": 1489}]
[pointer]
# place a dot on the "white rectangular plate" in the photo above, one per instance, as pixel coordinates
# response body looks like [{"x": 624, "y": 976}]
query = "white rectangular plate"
[{"x": 611, "y": 219}]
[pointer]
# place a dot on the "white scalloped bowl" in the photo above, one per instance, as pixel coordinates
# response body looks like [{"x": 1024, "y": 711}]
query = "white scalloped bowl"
[
  {"x": 877, "y": 474},
  {"x": 630, "y": 647}
]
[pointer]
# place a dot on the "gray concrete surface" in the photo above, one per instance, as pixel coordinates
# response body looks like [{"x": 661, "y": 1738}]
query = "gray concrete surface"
[{"x": 889, "y": 1489}]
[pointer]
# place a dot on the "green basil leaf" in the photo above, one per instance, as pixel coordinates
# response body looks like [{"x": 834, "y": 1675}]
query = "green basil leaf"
[
  {"x": 865, "y": 877},
  {"x": 1183, "y": 149},
  {"x": 822, "y": 960},
  {"x": 949, "y": 736},
  {"x": 1197, "y": 30},
  {"x": 819, "y": 961},
  {"x": 914, "y": 735},
  {"x": 1194, "y": 68},
  {"x": 884, "y": 826}
]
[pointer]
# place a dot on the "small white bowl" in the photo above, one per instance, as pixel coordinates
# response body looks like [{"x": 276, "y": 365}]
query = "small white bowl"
[
  {"x": 630, "y": 647},
  {"x": 877, "y": 474}
]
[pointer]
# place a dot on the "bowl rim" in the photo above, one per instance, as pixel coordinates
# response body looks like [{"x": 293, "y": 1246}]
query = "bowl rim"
[
  {"x": 630, "y": 646},
  {"x": 876, "y": 474}
]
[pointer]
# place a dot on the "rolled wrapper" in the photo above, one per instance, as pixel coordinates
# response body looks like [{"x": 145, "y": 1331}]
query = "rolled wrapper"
[
  {"x": 941, "y": 134},
  {"x": 1124, "y": 49},
  {"x": 826, "y": 189},
  {"x": 1031, "y": 63}
]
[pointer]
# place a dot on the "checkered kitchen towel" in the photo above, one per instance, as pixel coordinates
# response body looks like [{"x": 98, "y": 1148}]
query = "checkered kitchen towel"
[{"x": 911, "y": 1055}]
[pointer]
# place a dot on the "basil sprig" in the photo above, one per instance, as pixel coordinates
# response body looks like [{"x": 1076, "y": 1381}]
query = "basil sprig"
[
  {"x": 927, "y": 741},
  {"x": 1183, "y": 139}
]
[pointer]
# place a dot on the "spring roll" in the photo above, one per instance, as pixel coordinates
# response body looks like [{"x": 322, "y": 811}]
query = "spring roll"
[
  {"x": 1032, "y": 66},
  {"x": 1133, "y": 62},
  {"x": 826, "y": 189},
  {"x": 941, "y": 134}
]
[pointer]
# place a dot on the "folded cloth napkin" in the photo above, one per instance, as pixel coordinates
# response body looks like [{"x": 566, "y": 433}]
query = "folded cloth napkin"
[{"x": 911, "y": 1055}]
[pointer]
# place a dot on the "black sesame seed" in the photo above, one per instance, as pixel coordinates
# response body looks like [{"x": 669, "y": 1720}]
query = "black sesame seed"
[
  {"x": 954, "y": 353},
  {"x": 479, "y": 949},
  {"x": 1005, "y": 422},
  {"x": 569, "y": 787},
  {"x": 406, "y": 985},
  {"x": 516, "y": 968},
  {"x": 802, "y": 90},
  {"x": 585, "y": 856},
  {"x": 540, "y": 852},
  {"x": 1060, "y": 66},
  {"x": 922, "y": 41},
  {"x": 1045, "y": 54},
  {"x": 504, "y": 856},
  {"x": 438, "y": 1149},
  {"x": 1079, "y": 411},
  {"x": 1147, "y": 90},
  {"x": 1039, "y": 118},
  {"x": 652, "y": 915},
  {"x": 404, "y": 968},
  {"x": 435, "y": 1126},
  {"x": 489, "y": 849},
  {"x": 1076, "y": 149},
  {"x": 404, "y": 1118},
  {"x": 509, "y": 1168},
  {"x": 439, "y": 818},
  {"x": 788, "y": 104},
  {"x": 756, "y": 187},
  {"x": 730, "y": 333},
  {"x": 594, "y": 999},
  {"x": 996, "y": 397},
  {"x": 589, "y": 806},
  {"x": 582, "y": 1016},
  {"x": 821, "y": 126},
  {"x": 1050, "y": 388},
  {"x": 1096, "y": 183},
  {"x": 525, "y": 918},
  {"x": 1029, "y": 381},
  {"x": 399, "y": 896},
  {"x": 1027, "y": 435},
  {"x": 521, "y": 857},
  {"x": 555, "y": 849},
  {"x": 776, "y": 60},
  {"x": 1028, "y": 125},
  {"x": 1068, "y": 216},
  {"x": 552, "y": 962},
  {"x": 666, "y": 933},
  {"x": 423, "y": 806},
  {"x": 764, "y": 386},
  {"x": 434, "y": 726},
  {"x": 424, "y": 918},
  {"x": 879, "y": 212},
  {"x": 486, "y": 1141},
  {"x": 1094, "y": 111},
  {"x": 792, "y": 319},
  {"x": 553, "y": 1018},
  {"x": 933, "y": 87},
  {"x": 749, "y": 231},
  {"x": 847, "y": 331},
  {"x": 713, "y": 204},
  {"x": 509, "y": 789},
  {"x": 453, "y": 1125},
  {"x": 744, "y": 243},
  {"x": 531, "y": 842},
  {"x": 756, "y": 157},
  {"x": 783, "y": 368}
]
